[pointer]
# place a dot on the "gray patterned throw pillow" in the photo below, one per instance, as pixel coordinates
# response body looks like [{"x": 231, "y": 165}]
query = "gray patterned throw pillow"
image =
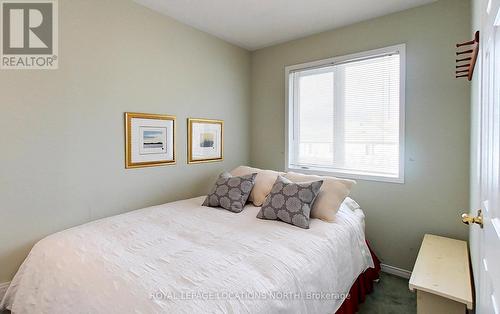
[
  {"x": 230, "y": 192},
  {"x": 290, "y": 202}
]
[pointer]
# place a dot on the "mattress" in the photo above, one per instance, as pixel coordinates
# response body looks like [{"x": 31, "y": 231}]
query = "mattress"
[{"x": 182, "y": 257}]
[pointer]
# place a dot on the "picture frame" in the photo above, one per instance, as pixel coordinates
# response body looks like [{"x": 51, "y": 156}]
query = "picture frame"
[
  {"x": 205, "y": 140},
  {"x": 149, "y": 140}
]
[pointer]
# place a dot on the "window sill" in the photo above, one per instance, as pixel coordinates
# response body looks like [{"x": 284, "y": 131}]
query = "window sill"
[{"x": 346, "y": 174}]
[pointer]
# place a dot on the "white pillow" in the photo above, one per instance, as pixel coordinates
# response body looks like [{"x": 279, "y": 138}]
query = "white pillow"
[
  {"x": 349, "y": 202},
  {"x": 263, "y": 182},
  {"x": 330, "y": 197}
]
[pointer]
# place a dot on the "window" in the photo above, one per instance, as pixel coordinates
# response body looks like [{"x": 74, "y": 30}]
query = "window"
[{"x": 346, "y": 115}]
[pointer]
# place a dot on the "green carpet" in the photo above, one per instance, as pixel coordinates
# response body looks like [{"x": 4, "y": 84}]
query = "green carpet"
[{"x": 390, "y": 296}]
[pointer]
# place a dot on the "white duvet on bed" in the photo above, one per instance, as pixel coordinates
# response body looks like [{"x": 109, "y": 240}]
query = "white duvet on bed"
[{"x": 185, "y": 258}]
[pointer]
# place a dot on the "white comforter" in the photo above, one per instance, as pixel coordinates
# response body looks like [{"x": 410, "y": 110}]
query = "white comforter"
[{"x": 184, "y": 258}]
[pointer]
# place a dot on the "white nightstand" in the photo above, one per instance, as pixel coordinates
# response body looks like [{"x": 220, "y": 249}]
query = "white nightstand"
[{"x": 441, "y": 276}]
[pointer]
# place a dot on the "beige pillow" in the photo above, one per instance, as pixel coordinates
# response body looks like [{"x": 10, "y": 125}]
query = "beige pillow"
[
  {"x": 243, "y": 171},
  {"x": 330, "y": 197},
  {"x": 263, "y": 182}
]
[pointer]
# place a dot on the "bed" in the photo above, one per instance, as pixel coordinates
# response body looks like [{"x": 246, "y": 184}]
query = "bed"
[{"x": 182, "y": 257}]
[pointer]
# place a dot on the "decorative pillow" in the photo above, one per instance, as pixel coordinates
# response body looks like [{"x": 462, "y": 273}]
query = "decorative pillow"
[
  {"x": 230, "y": 192},
  {"x": 330, "y": 197},
  {"x": 290, "y": 202},
  {"x": 263, "y": 182}
]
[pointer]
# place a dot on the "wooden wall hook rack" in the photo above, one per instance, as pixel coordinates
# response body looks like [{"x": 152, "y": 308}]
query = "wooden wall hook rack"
[{"x": 467, "y": 69}]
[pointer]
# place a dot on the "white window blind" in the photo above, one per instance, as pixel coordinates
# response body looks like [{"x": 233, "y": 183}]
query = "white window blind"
[{"x": 346, "y": 115}]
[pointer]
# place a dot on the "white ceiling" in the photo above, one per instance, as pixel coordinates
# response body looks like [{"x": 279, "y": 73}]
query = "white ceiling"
[{"x": 254, "y": 24}]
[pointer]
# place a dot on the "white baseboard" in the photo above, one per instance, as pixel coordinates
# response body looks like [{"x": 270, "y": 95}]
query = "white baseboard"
[
  {"x": 3, "y": 289},
  {"x": 396, "y": 271}
]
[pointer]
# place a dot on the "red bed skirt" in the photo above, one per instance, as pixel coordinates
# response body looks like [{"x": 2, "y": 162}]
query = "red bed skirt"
[{"x": 361, "y": 287}]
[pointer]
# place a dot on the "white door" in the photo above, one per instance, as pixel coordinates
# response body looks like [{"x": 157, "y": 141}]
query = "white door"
[{"x": 485, "y": 242}]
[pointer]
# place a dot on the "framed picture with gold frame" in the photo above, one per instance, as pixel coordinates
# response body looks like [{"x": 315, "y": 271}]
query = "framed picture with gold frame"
[
  {"x": 149, "y": 140},
  {"x": 205, "y": 140}
]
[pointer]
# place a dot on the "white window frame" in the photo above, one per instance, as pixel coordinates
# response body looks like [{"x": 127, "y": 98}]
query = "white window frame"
[{"x": 292, "y": 117}]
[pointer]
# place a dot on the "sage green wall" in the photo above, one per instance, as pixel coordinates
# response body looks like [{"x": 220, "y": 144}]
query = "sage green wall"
[
  {"x": 62, "y": 154},
  {"x": 437, "y": 122}
]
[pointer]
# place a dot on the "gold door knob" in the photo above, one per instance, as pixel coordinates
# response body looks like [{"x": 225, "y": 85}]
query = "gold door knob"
[{"x": 468, "y": 220}]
